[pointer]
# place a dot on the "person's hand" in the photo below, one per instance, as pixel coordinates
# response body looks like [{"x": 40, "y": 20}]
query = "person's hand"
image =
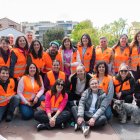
[
  {"x": 35, "y": 100},
  {"x": 52, "y": 122},
  {"x": 80, "y": 120},
  {"x": 29, "y": 104},
  {"x": 119, "y": 95},
  {"x": 67, "y": 65},
  {"x": 91, "y": 122}
]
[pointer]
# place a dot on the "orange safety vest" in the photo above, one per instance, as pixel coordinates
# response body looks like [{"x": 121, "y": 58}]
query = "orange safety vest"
[
  {"x": 20, "y": 65},
  {"x": 29, "y": 91},
  {"x": 48, "y": 61},
  {"x": 105, "y": 55},
  {"x": 105, "y": 83},
  {"x": 2, "y": 62},
  {"x": 73, "y": 59},
  {"x": 117, "y": 84},
  {"x": 39, "y": 62},
  {"x": 5, "y": 96},
  {"x": 55, "y": 102},
  {"x": 87, "y": 56},
  {"x": 121, "y": 57},
  {"x": 52, "y": 79},
  {"x": 135, "y": 58}
]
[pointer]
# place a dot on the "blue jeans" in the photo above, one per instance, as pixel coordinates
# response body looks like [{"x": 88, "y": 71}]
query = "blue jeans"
[
  {"x": 27, "y": 112},
  {"x": 108, "y": 113}
]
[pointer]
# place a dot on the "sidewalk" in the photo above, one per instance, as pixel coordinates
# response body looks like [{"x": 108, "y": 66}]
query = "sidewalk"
[{"x": 26, "y": 130}]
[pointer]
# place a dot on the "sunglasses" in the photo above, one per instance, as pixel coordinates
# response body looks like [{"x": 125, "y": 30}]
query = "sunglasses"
[
  {"x": 60, "y": 84},
  {"x": 124, "y": 71}
]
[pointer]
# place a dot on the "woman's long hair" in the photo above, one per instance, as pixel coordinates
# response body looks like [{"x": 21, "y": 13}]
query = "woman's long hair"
[
  {"x": 54, "y": 90},
  {"x": 36, "y": 76},
  {"x": 64, "y": 39},
  {"x": 135, "y": 41},
  {"x": 17, "y": 44},
  {"x": 32, "y": 50},
  {"x": 118, "y": 43},
  {"x": 89, "y": 40}
]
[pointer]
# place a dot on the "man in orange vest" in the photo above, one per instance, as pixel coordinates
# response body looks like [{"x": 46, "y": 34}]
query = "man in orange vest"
[
  {"x": 51, "y": 55},
  {"x": 103, "y": 52},
  {"x": 8, "y": 100}
]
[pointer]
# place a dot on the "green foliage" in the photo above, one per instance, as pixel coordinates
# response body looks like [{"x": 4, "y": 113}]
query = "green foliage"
[
  {"x": 82, "y": 28},
  {"x": 56, "y": 34},
  {"x": 113, "y": 30}
]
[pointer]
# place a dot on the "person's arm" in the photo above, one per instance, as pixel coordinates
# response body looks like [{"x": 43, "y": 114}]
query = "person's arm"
[
  {"x": 132, "y": 88},
  {"x": 41, "y": 91},
  {"x": 92, "y": 61},
  {"x": 13, "y": 61},
  {"x": 46, "y": 83},
  {"x": 48, "y": 103},
  {"x": 29, "y": 60},
  {"x": 82, "y": 102},
  {"x": 20, "y": 90},
  {"x": 78, "y": 60}
]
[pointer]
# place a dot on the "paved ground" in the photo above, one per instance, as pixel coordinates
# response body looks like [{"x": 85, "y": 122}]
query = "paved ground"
[{"x": 26, "y": 130}]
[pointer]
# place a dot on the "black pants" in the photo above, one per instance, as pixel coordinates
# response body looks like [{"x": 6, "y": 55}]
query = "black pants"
[
  {"x": 87, "y": 116},
  {"x": 42, "y": 117}
]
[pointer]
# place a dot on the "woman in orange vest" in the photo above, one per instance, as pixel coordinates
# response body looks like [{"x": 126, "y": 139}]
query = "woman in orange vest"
[
  {"x": 30, "y": 89},
  {"x": 124, "y": 85},
  {"x": 18, "y": 58},
  {"x": 36, "y": 55},
  {"x": 121, "y": 52},
  {"x": 70, "y": 57},
  {"x": 53, "y": 75},
  {"x": 4, "y": 52},
  {"x": 105, "y": 83},
  {"x": 87, "y": 53},
  {"x": 54, "y": 114},
  {"x": 8, "y": 98},
  {"x": 135, "y": 56}
]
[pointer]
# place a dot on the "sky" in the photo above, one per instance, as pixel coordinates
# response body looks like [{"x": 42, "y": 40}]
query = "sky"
[{"x": 100, "y": 12}]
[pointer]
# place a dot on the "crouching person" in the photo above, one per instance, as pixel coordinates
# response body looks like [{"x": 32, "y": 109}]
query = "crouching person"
[
  {"x": 92, "y": 107},
  {"x": 30, "y": 89},
  {"x": 54, "y": 114},
  {"x": 8, "y": 98}
]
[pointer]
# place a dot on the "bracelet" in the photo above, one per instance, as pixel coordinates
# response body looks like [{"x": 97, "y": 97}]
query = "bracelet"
[{"x": 54, "y": 116}]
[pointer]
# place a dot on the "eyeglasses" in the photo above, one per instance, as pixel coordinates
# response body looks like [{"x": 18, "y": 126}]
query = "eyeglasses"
[
  {"x": 60, "y": 84},
  {"x": 124, "y": 71}
]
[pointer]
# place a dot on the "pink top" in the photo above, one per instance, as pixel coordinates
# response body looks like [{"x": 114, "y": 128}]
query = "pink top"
[{"x": 48, "y": 102}]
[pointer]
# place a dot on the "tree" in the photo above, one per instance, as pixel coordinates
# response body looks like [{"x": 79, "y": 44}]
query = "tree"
[
  {"x": 52, "y": 34},
  {"x": 84, "y": 27},
  {"x": 113, "y": 30}
]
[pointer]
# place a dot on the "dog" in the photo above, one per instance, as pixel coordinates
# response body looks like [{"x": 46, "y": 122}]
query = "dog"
[{"x": 126, "y": 109}]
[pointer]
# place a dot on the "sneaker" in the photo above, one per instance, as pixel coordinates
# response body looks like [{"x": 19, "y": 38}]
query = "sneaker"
[
  {"x": 76, "y": 127},
  {"x": 9, "y": 118},
  {"x": 43, "y": 126},
  {"x": 85, "y": 130},
  {"x": 62, "y": 126}
]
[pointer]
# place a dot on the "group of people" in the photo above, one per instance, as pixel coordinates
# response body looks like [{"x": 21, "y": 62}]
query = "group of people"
[{"x": 65, "y": 83}]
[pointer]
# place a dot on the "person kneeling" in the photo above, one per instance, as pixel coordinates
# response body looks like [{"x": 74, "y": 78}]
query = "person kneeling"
[
  {"x": 54, "y": 114},
  {"x": 92, "y": 107},
  {"x": 8, "y": 98}
]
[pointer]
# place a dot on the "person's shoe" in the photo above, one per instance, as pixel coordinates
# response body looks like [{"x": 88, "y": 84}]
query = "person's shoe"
[
  {"x": 85, "y": 130},
  {"x": 43, "y": 126},
  {"x": 9, "y": 118},
  {"x": 76, "y": 127}
]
